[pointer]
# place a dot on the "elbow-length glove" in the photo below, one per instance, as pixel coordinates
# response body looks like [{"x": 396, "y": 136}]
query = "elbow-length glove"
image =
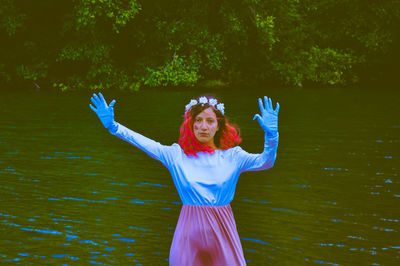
[
  {"x": 269, "y": 117},
  {"x": 104, "y": 111}
]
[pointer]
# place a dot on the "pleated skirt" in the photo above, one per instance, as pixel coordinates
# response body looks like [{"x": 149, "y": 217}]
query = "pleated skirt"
[{"x": 206, "y": 235}]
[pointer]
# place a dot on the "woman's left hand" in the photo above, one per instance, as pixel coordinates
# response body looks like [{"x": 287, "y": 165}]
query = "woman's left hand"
[{"x": 269, "y": 117}]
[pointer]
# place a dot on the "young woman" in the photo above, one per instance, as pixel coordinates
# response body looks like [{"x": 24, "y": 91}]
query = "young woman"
[{"x": 205, "y": 167}]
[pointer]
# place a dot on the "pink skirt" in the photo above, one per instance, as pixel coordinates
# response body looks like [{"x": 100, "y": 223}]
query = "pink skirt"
[{"x": 206, "y": 235}]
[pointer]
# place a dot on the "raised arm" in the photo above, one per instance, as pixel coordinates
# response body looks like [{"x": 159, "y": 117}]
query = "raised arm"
[
  {"x": 106, "y": 115},
  {"x": 269, "y": 123}
]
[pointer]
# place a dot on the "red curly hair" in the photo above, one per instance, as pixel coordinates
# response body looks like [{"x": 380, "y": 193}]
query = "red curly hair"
[{"x": 226, "y": 137}]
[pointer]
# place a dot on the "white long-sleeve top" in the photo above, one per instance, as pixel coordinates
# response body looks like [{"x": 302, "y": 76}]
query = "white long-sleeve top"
[{"x": 209, "y": 179}]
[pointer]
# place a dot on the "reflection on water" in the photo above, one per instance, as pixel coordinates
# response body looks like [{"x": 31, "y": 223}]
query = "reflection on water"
[{"x": 73, "y": 193}]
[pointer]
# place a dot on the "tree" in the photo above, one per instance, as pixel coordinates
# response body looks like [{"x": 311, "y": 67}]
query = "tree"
[{"x": 127, "y": 44}]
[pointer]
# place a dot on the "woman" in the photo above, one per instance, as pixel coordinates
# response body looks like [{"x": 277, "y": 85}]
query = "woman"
[{"x": 205, "y": 167}]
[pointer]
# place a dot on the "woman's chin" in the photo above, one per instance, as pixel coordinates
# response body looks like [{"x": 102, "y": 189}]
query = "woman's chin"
[{"x": 203, "y": 140}]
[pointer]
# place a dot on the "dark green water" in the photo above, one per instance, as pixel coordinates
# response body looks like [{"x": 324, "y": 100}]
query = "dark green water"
[{"x": 71, "y": 193}]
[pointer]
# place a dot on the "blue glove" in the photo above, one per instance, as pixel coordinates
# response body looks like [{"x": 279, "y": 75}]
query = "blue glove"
[
  {"x": 104, "y": 112},
  {"x": 269, "y": 117}
]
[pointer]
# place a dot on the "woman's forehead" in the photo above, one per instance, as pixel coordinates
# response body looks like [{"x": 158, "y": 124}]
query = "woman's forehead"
[{"x": 207, "y": 113}]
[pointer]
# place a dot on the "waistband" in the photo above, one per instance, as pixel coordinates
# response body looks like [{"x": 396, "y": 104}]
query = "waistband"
[{"x": 205, "y": 206}]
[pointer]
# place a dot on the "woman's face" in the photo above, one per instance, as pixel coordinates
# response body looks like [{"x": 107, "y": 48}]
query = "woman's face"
[{"x": 205, "y": 126}]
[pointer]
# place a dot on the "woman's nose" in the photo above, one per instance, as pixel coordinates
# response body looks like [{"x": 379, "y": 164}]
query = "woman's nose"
[{"x": 203, "y": 125}]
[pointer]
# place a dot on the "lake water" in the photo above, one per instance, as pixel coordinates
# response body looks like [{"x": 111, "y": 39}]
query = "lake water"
[{"x": 71, "y": 193}]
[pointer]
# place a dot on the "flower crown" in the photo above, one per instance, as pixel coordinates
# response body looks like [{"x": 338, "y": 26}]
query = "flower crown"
[{"x": 203, "y": 100}]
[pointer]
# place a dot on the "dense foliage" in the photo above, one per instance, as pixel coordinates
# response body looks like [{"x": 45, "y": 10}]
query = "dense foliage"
[{"x": 128, "y": 44}]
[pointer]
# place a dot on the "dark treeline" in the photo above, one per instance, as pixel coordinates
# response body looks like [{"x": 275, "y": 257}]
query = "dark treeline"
[{"x": 128, "y": 44}]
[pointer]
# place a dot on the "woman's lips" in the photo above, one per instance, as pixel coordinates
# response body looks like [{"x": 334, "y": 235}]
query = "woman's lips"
[{"x": 203, "y": 134}]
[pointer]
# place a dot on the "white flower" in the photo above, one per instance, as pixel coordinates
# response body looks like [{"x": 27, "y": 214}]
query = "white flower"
[
  {"x": 188, "y": 106},
  {"x": 203, "y": 100},
  {"x": 213, "y": 101},
  {"x": 221, "y": 107}
]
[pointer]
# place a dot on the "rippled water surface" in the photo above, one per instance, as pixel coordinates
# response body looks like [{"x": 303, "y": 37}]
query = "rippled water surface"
[{"x": 71, "y": 193}]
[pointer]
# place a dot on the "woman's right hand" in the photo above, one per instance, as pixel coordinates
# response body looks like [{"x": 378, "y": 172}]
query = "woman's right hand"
[{"x": 104, "y": 112}]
